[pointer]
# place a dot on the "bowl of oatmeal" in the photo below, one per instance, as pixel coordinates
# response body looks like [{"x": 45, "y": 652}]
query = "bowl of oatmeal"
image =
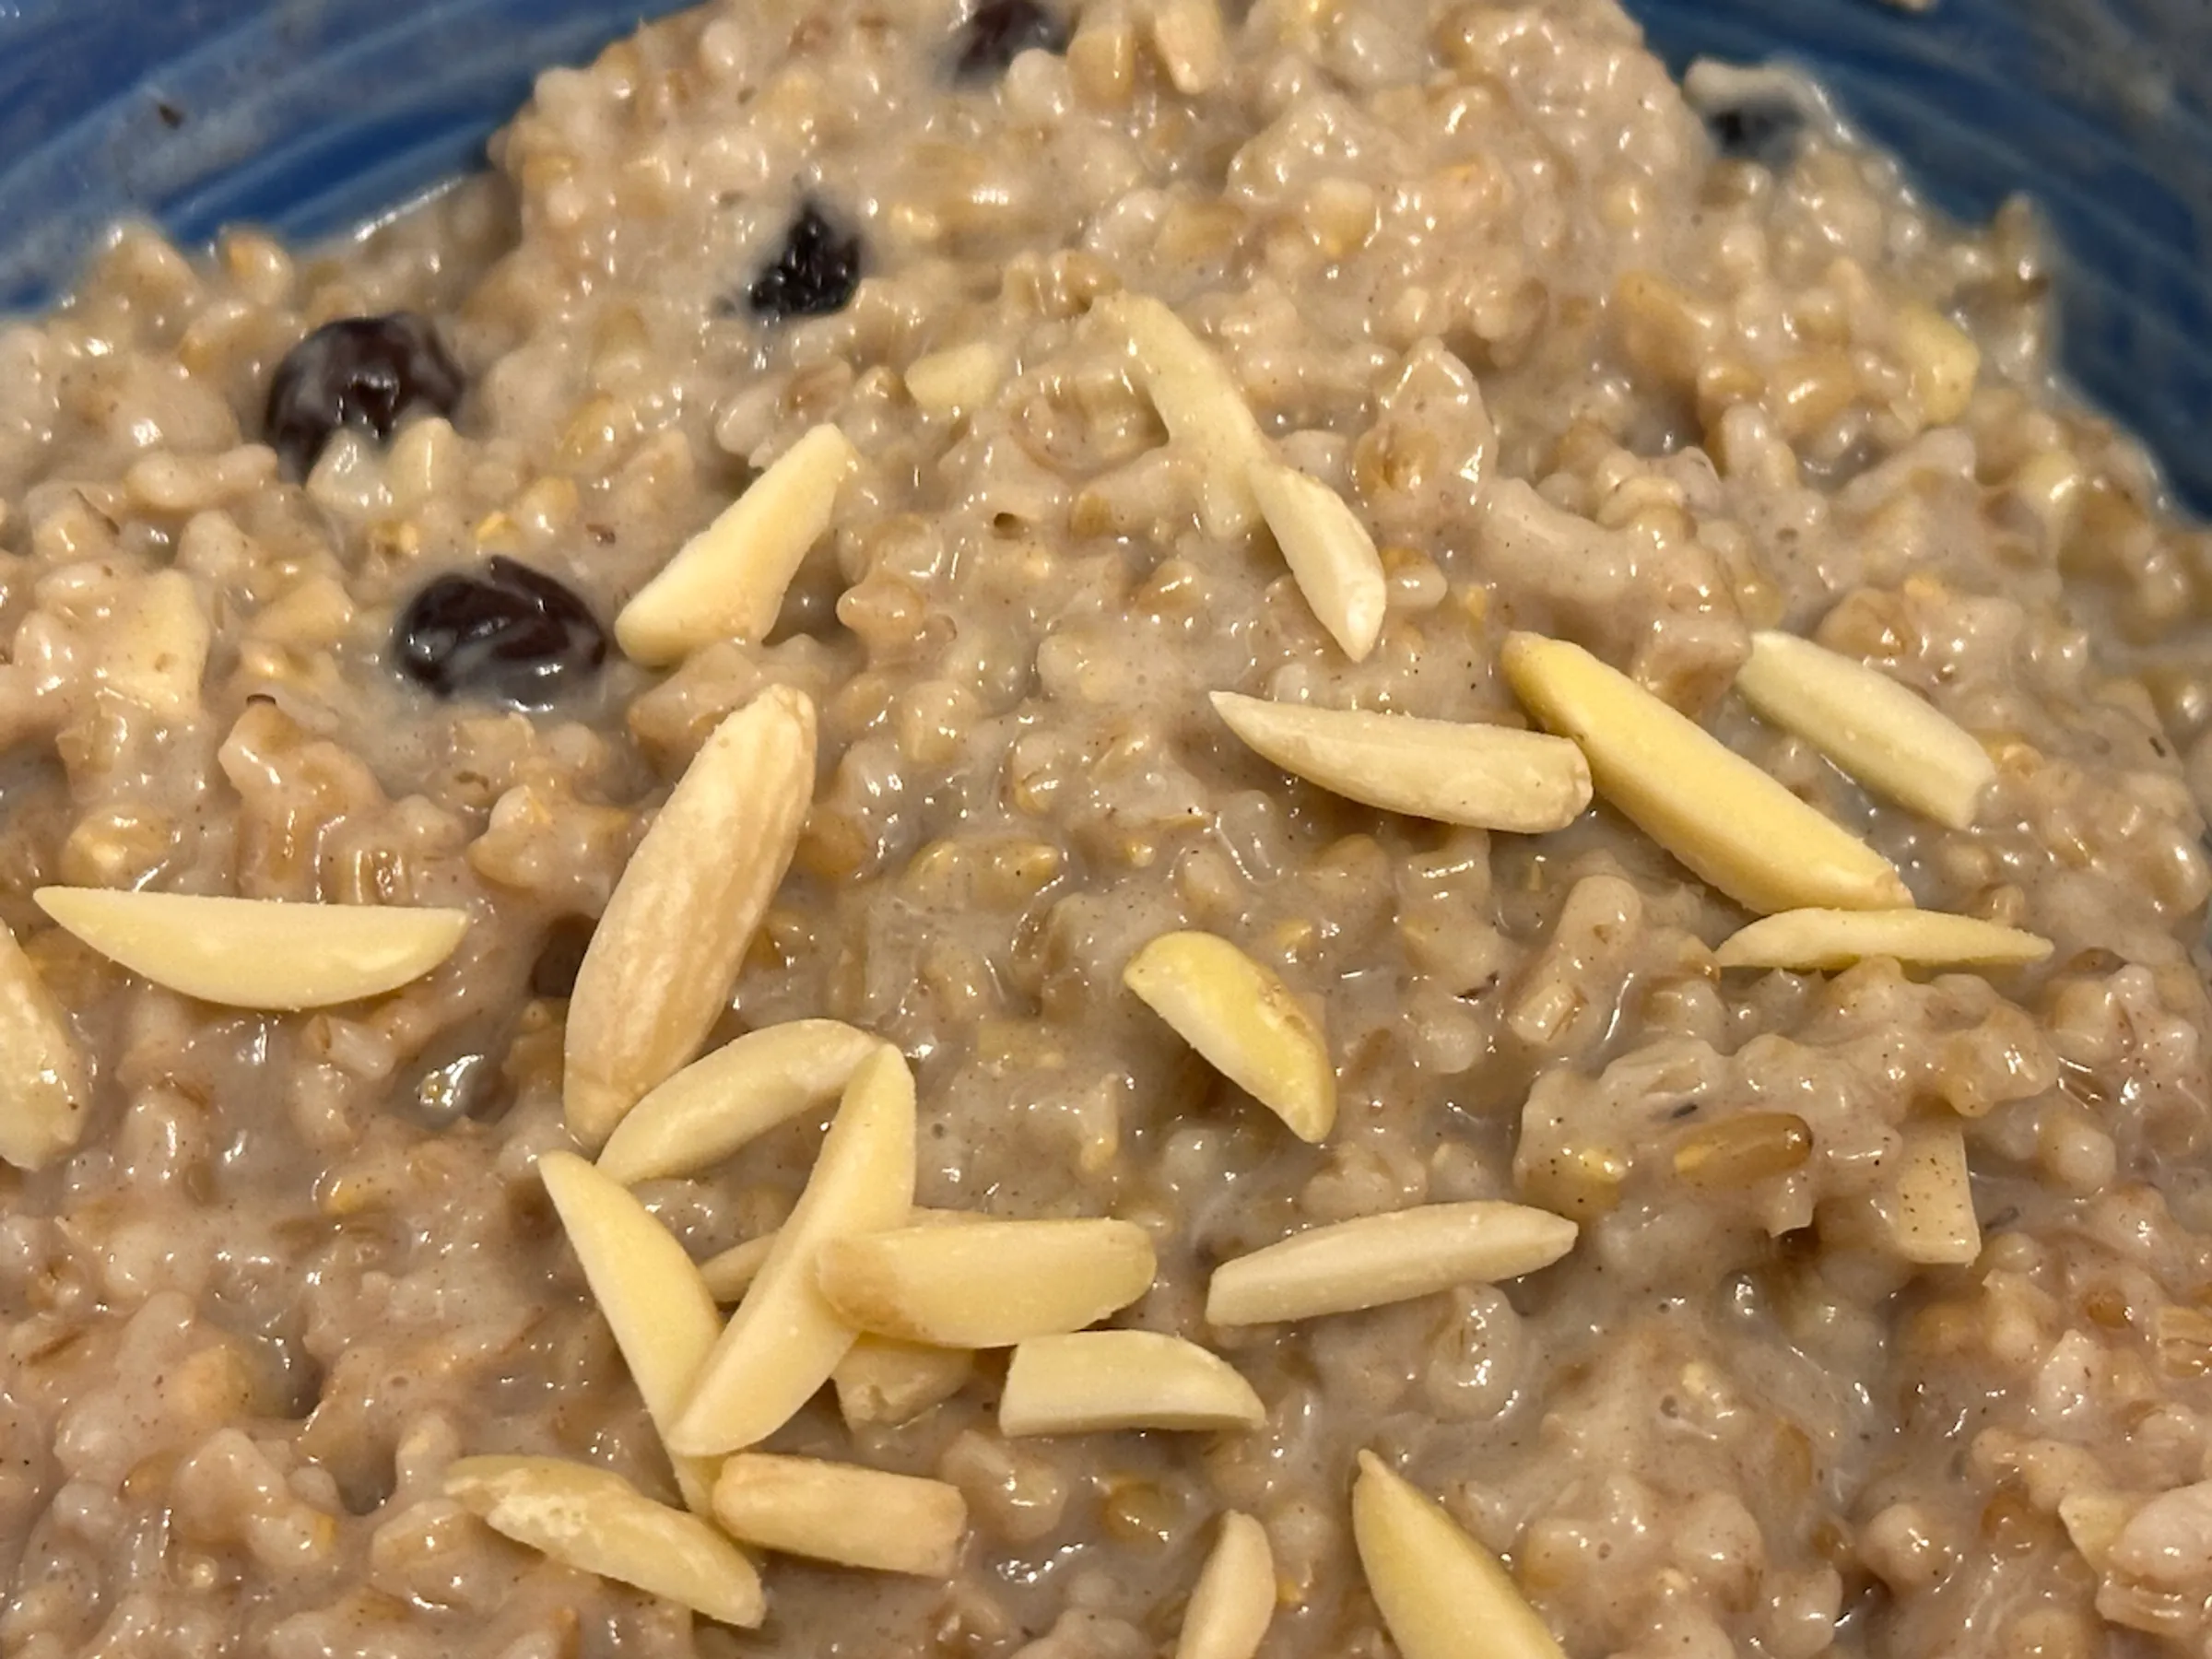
[{"x": 1088, "y": 830}]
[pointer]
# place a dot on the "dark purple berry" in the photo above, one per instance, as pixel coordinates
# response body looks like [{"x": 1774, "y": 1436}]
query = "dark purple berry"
[
  {"x": 358, "y": 371},
  {"x": 998, "y": 31},
  {"x": 814, "y": 275},
  {"x": 553, "y": 973},
  {"x": 1766, "y": 129},
  {"x": 511, "y": 635}
]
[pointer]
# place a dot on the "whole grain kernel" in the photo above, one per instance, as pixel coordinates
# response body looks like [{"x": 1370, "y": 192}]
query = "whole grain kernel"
[{"x": 1743, "y": 1148}]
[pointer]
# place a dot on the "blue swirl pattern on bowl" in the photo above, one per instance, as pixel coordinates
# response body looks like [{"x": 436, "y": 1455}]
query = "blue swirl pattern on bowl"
[{"x": 311, "y": 115}]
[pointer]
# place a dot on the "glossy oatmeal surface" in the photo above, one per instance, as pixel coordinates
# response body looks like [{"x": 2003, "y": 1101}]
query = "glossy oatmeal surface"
[{"x": 1583, "y": 365}]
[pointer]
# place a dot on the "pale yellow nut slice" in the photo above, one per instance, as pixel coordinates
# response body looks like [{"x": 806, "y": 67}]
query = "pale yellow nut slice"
[
  {"x": 958, "y": 378},
  {"x": 881, "y": 1383},
  {"x": 727, "y": 583},
  {"x": 653, "y": 1298},
  {"x": 741, "y": 1090},
  {"x": 1234, "y": 1599},
  {"x": 1886, "y": 735},
  {"x": 989, "y": 1284},
  {"x": 1205, "y": 412},
  {"x": 842, "y": 1512},
  {"x": 1440, "y": 1593},
  {"x": 784, "y": 1339},
  {"x": 42, "y": 1105},
  {"x": 1244, "y": 1021},
  {"x": 1485, "y": 776},
  {"x": 729, "y": 1272},
  {"x": 595, "y": 1520},
  {"x": 258, "y": 953},
  {"x": 2094, "y": 1521},
  {"x": 1094, "y": 1380},
  {"x": 1825, "y": 941},
  {"x": 1928, "y": 1200},
  {"x": 1330, "y": 554},
  {"x": 1735, "y": 827},
  {"x": 658, "y": 971},
  {"x": 1371, "y": 1260}
]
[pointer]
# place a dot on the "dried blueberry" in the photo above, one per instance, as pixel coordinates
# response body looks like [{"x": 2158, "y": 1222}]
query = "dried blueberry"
[
  {"x": 553, "y": 973},
  {"x": 998, "y": 31},
  {"x": 814, "y": 275},
  {"x": 358, "y": 371},
  {"x": 511, "y": 635},
  {"x": 1766, "y": 130}
]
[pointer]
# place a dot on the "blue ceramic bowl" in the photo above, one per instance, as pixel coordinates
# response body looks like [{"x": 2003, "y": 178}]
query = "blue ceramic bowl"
[{"x": 310, "y": 115}]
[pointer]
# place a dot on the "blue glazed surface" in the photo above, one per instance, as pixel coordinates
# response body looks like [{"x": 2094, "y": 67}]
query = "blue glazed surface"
[{"x": 310, "y": 115}]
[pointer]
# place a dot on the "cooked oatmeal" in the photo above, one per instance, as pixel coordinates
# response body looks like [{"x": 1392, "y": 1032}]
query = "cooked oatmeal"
[{"x": 1176, "y": 897}]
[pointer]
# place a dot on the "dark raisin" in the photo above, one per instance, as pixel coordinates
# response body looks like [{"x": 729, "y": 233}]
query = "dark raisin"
[
  {"x": 511, "y": 635},
  {"x": 1766, "y": 130},
  {"x": 468, "y": 1085},
  {"x": 814, "y": 275},
  {"x": 998, "y": 31},
  {"x": 553, "y": 973},
  {"x": 358, "y": 371}
]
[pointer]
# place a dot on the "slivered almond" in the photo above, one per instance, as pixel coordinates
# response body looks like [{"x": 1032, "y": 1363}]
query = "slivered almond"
[
  {"x": 1486, "y": 776},
  {"x": 1928, "y": 1201},
  {"x": 1094, "y": 1380},
  {"x": 43, "y": 1099},
  {"x": 1200, "y": 404},
  {"x": 727, "y": 583},
  {"x": 660, "y": 965},
  {"x": 595, "y": 1520},
  {"x": 1828, "y": 940},
  {"x": 258, "y": 953},
  {"x": 990, "y": 1284},
  {"x": 1732, "y": 825},
  {"x": 1329, "y": 551},
  {"x": 651, "y": 1296},
  {"x": 881, "y": 1383},
  {"x": 1440, "y": 1593},
  {"x": 723, "y": 1099},
  {"x": 728, "y": 1272},
  {"x": 960, "y": 377},
  {"x": 842, "y": 1512},
  {"x": 1887, "y": 736},
  {"x": 2094, "y": 1521},
  {"x": 1234, "y": 1599},
  {"x": 784, "y": 1339},
  {"x": 1371, "y": 1260},
  {"x": 1244, "y": 1021}
]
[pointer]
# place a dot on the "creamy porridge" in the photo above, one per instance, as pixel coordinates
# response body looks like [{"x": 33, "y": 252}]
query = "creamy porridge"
[{"x": 1325, "y": 801}]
